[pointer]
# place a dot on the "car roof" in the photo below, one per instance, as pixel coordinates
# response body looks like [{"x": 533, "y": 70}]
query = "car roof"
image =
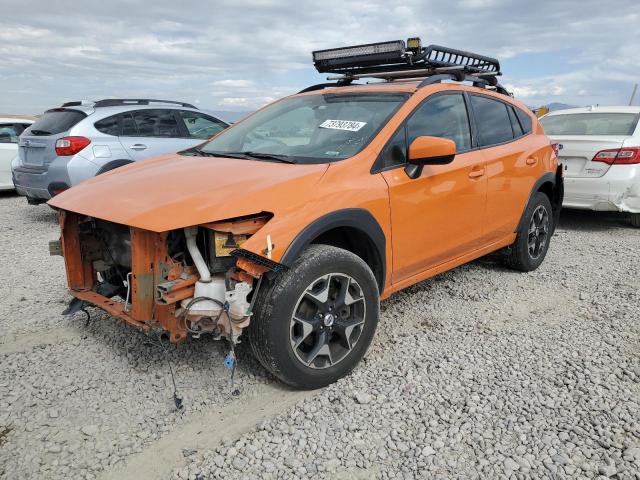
[
  {"x": 17, "y": 119},
  {"x": 596, "y": 109}
]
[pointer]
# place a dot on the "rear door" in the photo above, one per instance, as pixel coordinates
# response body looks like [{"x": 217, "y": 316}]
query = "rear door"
[
  {"x": 151, "y": 132},
  {"x": 580, "y": 136},
  {"x": 513, "y": 165},
  {"x": 37, "y": 144}
]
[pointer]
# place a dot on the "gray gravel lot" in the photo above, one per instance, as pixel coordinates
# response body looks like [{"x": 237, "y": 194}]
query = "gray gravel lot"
[{"x": 478, "y": 373}]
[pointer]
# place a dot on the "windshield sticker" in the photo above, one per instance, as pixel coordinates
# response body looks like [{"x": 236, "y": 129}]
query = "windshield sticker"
[{"x": 348, "y": 125}]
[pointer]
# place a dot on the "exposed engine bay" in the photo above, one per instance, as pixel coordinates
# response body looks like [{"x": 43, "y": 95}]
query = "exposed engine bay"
[{"x": 181, "y": 283}]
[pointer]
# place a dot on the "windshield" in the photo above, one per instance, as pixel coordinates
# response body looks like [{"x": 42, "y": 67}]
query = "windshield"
[
  {"x": 309, "y": 129},
  {"x": 590, "y": 124}
]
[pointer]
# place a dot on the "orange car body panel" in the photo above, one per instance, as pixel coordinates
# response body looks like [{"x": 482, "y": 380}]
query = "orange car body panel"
[{"x": 448, "y": 216}]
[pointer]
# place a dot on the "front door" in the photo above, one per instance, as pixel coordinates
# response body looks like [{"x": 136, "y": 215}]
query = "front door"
[{"x": 438, "y": 216}]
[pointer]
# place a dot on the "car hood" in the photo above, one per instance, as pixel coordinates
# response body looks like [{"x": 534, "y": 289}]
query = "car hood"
[{"x": 175, "y": 191}]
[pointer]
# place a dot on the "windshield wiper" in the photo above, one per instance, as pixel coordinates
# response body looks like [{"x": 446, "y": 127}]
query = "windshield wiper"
[
  {"x": 241, "y": 155},
  {"x": 201, "y": 153},
  {"x": 39, "y": 132},
  {"x": 269, "y": 156}
]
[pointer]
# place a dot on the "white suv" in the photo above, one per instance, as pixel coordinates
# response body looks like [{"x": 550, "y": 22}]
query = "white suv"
[{"x": 600, "y": 150}]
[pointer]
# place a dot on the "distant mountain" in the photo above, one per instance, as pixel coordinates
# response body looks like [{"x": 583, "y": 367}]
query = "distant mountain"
[
  {"x": 227, "y": 116},
  {"x": 559, "y": 106}
]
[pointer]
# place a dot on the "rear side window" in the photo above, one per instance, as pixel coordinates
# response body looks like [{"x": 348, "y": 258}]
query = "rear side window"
[
  {"x": 9, "y": 132},
  {"x": 200, "y": 125},
  {"x": 590, "y": 124},
  {"x": 55, "y": 121},
  {"x": 442, "y": 116},
  {"x": 109, "y": 125},
  {"x": 156, "y": 123},
  {"x": 525, "y": 120},
  {"x": 492, "y": 119}
]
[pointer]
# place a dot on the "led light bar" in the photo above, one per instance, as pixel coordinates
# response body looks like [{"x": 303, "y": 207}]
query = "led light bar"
[
  {"x": 335, "y": 59},
  {"x": 396, "y": 46}
]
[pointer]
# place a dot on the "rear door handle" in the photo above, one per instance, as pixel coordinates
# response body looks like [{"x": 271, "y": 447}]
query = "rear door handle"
[
  {"x": 532, "y": 161},
  {"x": 138, "y": 146},
  {"x": 476, "y": 173}
]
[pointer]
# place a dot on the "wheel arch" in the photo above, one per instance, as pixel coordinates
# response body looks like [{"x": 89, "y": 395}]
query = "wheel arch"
[
  {"x": 552, "y": 186},
  {"x": 113, "y": 164},
  {"x": 353, "y": 229}
]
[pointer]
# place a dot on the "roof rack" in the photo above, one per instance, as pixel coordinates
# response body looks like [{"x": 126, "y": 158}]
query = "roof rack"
[
  {"x": 114, "y": 102},
  {"x": 396, "y": 60}
]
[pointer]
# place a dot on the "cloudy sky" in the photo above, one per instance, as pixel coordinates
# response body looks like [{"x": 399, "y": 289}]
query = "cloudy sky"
[{"x": 240, "y": 55}]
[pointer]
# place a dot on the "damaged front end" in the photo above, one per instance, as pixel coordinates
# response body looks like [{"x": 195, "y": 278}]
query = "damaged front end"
[{"x": 183, "y": 282}]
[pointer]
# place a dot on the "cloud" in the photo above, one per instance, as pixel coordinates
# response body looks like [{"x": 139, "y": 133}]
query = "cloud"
[{"x": 241, "y": 54}]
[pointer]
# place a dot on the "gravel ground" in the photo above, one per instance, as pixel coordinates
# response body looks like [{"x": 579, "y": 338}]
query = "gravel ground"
[{"x": 480, "y": 372}]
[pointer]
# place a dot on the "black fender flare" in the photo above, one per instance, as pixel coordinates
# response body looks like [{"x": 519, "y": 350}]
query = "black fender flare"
[
  {"x": 558, "y": 194},
  {"x": 357, "y": 218},
  {"x": 113, "y": 164}
]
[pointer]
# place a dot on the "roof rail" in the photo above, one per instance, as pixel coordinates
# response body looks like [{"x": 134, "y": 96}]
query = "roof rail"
[
  {"x": 114, "y": 102},
  {"x": 396, "y": 60}
]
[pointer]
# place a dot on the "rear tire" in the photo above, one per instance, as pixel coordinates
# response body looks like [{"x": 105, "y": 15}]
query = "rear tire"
[
  {"x": 635, "y": 220},
  {"x": 313, "y": 323},
  {"x": 533, "y": 236}
]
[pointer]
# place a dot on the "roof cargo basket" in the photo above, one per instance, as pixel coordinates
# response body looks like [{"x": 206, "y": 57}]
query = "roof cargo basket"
[{"x": 399, "y": 60}]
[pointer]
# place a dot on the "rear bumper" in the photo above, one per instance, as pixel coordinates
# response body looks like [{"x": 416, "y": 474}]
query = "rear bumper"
[{"x": 617, "y": 191}]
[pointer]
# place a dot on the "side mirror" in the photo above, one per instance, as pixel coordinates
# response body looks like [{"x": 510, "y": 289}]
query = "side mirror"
[{"x": 429, "y": 151}]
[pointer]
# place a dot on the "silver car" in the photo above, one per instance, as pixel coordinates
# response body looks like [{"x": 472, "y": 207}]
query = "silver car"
[{"x": 79, "y": 140}]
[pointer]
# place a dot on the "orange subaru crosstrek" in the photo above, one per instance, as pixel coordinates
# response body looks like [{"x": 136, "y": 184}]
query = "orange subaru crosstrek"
[{"x": 290, "y": 226}]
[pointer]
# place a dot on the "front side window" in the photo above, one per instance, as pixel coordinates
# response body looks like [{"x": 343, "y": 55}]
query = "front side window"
[
  {"x": 9, "y": 132},
  {"x": 395, "y": 152},
  {"x": 156, "y": 123},
  {"x": 492, "y": 119},
  {"x": 200, "y": 125},
  {"x": 442, "y": 116},
  {"x": 590, "y": 123},
  {"x": 310, "y": 128}
]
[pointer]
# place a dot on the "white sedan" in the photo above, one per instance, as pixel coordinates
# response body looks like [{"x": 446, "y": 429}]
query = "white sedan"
[
  {"x": 10, "y": 130},
  {"x": 600, "y": 150}
]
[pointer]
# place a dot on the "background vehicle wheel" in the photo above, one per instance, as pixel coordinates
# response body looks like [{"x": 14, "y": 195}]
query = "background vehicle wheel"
[
  {"x": 532, "y": 242},
  {"x": 313, "y": 323},
  {"x": 635, "y": 220}
]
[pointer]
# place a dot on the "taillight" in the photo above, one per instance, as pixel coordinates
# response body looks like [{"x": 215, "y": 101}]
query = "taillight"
[
  {"x": 70, "y": 145},
  {"x": 618, "y": 156}
]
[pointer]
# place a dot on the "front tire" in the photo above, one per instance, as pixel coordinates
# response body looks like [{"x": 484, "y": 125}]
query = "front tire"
[
  {"x": 534, "y": 234},
  {"x": 314, "y": 322}
]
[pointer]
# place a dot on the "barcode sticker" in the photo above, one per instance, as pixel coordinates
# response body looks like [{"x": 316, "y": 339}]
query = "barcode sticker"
[{"x": 348, "y": 125}]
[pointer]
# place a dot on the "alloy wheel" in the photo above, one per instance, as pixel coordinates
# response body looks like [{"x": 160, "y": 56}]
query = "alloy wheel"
[
  {"x": 327, "y": 321},
  {"x": 538, "y": 232}
]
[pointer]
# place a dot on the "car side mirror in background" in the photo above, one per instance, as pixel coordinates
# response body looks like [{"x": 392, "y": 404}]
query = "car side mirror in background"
[{"x": 429, "y": 151}]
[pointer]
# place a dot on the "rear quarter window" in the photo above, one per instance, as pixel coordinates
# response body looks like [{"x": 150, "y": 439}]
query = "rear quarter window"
[
  {"x": 590, "y": 124},
  {"x": 55, "y": 121},
  {"x": 109, "y": 125}
]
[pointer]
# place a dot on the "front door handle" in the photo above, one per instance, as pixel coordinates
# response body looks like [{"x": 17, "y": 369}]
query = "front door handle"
[
  {"x": 138, "y": 146},
  {"x": 532, "y": 161},
  {"x": 476, "y": 173}
]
